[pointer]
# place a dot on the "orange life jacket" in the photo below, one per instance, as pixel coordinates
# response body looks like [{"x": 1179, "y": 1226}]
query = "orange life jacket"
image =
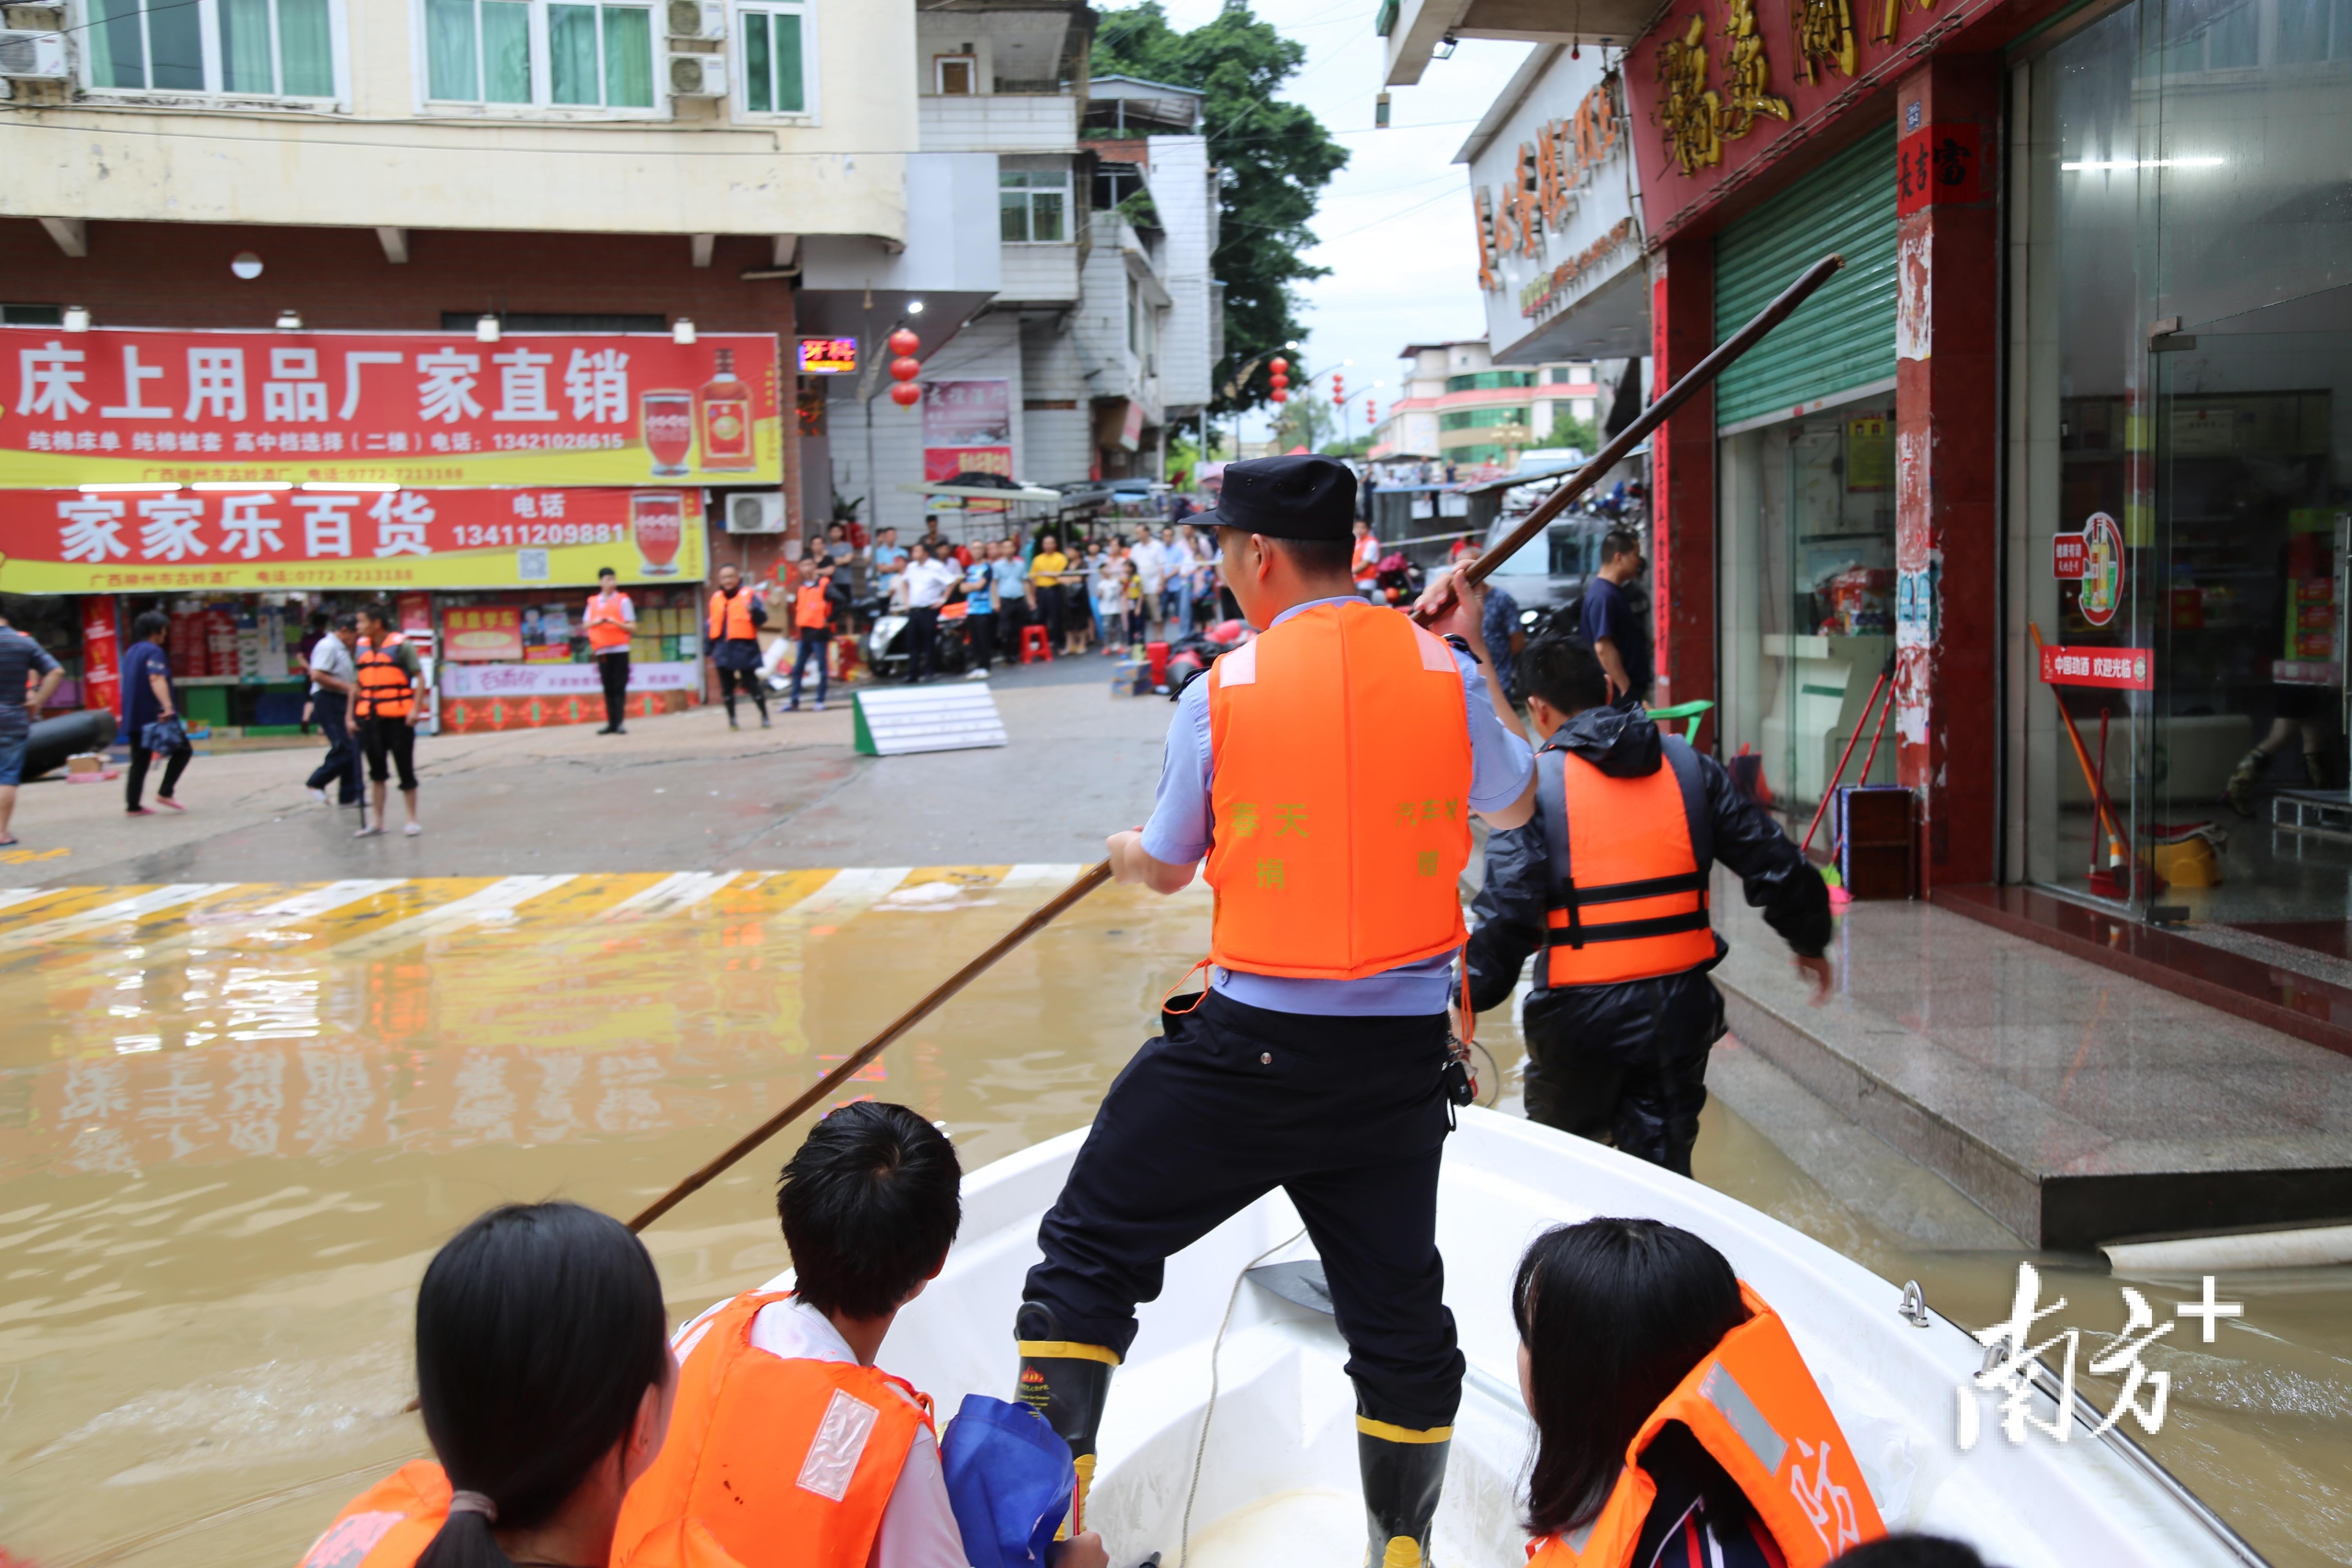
[
  {"x": 1755, "y": 1410},
  {"x": 1341, "y": 794},
  {"x": 730, "y": 619},
  {"x": 811, "y": 612},
  {"x": 385, "y": 691},
  {"x": 606, "y": 627},
  {"x": 390, "y": 1525},
  {"x": 789, "y": 1464},
  {"x": 1629, "y": 879}
]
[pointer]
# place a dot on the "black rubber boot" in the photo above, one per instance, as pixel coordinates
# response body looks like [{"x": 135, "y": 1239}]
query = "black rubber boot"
[
  {"x": 1404, "y": 1472},
  {"x": 1067, "y": 1384}
]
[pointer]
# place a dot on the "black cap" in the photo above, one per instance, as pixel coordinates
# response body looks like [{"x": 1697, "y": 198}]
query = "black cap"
[{"x": 1299, "y": 496}]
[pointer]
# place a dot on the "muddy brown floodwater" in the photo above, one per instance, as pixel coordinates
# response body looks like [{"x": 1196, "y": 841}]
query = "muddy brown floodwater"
[{"x": 235, "y": 1119}]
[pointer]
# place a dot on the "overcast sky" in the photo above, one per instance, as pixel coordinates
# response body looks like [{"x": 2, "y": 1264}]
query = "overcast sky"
[{"x": 1394, "y": 225}]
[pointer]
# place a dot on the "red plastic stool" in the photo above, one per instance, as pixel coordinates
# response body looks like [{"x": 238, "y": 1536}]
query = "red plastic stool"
[{"x": 1035, "y": 645}]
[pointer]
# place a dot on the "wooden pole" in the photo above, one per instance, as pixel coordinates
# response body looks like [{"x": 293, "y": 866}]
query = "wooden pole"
[
  {"x": 1655, "y": 415},
  {"x": 1038, "y": 920}
]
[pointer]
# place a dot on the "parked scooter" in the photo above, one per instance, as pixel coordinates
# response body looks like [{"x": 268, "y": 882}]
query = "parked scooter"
[{"x": 1191, "y": 655}]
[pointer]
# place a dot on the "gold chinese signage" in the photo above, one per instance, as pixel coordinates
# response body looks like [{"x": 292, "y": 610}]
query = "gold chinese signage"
[{"x": 1546, "y": 178}]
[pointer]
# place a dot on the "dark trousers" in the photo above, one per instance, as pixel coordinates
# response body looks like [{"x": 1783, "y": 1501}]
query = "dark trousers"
[
  {"x": 613, "y": 669},
  {"x": 819, "y": 644},
  {"x": 390, "y": 743},
  {"x": 342, "y": 762},
  {"x": 749, "y": 680},
  {"x": 1231, "y": 1101},
  {"x": 1049, "y": 610},
  {"x": 135, "y": 784},
  {"x": 1645, "y": 1100},
  {"x": 979, "y": 629},
  {"x": 922, "y": 642}
]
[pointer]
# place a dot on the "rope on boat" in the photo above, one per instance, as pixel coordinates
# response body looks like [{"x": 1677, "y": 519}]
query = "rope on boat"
[{"x": 1184, "y": 1541}]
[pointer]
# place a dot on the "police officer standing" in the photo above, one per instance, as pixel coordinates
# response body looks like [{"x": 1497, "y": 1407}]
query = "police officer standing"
[
  {"x": 1608, "y": 884},
  {"x": 1326, "y": 772}
]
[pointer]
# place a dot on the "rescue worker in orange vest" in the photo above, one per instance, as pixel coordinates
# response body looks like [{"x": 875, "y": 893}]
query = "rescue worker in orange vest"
[
  {"x": 1677, "y": 1424},
  {"x": 545, "y": 1385},
  {"x": 732, "y": 629},
  {"x": 1608, "y": 884},
  {"x": 1326, "y": 772},
  {"x": 817, "y": 599},
  {"x": 612, "y": 621},
  {"x": 386, "y": 708},
  {"x": 787, "y": 1443}
]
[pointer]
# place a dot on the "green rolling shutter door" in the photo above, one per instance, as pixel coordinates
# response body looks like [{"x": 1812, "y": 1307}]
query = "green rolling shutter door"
[{"x": 1843, "y": 336}]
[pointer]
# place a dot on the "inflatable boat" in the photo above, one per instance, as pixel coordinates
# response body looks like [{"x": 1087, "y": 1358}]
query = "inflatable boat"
[{"x": 1230, "y": 1437}]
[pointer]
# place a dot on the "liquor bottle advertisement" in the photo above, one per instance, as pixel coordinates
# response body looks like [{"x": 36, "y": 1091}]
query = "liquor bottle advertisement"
[{"x": 111, "y": 407}]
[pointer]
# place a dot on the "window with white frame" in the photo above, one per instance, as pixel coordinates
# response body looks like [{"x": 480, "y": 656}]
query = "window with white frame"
[
  {"x": 775, "y": 42},
  {"x": 1035, "y": 203},
  {"x": 539, "y": 52},
  {"x": 252, "y": 48}
]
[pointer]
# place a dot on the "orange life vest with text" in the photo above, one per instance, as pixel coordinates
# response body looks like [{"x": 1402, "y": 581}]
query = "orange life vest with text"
[
  {"x": 390, "y": 1525},
  {"x": 1628, "y": 860},
  {"x": 1755, "y": 1408},
  {"x": 811, "y": 611},
  {"x": 608, "y": 628},
  {"x": 789, "y": 1464},
  {"x": 1340, "y": 751},
  {"x": 385, "y": 690},
  {"x": 730, "y": 619}
]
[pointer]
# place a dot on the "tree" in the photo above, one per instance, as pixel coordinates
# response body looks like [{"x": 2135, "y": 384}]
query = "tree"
[
  {"x": 1304, "y": 421},
  {"x": 1274, "y": 159}
]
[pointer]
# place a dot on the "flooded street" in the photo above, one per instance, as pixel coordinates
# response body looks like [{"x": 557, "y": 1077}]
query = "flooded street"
[{"x": 235, "y": 1119}]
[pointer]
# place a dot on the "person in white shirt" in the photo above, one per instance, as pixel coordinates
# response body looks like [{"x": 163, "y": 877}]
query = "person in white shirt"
[
  {"x": 1150, "y": 563},
  {"x": 870, "y": 1204},
  {"x": 929, "y": 583},
  {"x": 334, "y": 678}
]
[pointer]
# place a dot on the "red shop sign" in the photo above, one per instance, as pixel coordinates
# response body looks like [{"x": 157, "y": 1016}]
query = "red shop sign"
[
  {"x": 2070, "y": 557},
  {"x": 2117, "y": 668}
]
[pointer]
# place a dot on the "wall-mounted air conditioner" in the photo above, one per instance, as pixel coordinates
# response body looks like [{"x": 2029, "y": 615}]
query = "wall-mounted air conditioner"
[
  {"x": 697, "y": 76},
  {"x": 33, "y": 57},
  {"x": 697, "y": 19},
  {"x": 755, "y": 511}
]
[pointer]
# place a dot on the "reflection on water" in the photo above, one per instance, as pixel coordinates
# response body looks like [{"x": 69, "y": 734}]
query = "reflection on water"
[{"x": 235, "y": 1121}]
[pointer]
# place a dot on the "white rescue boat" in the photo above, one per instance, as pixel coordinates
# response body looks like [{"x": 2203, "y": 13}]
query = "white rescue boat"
[{"x": 1272, "y": 1482}]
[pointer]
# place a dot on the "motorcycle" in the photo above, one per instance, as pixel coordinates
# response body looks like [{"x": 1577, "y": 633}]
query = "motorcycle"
[{"x": 1190, "y": 657}]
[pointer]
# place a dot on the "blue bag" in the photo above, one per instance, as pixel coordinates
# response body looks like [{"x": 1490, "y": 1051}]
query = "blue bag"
[
  {"x": 165, "y": 735},
  {"x": 1009, "y": 1479}
]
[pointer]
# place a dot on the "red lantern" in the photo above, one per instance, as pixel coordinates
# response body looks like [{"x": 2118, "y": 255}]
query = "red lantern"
[
  {"x": 904, "y": 341},
  {"x": 906, "y": 395},
  {"x": 1279, "y": 365},
  {"x": 906, "y": 367},
  {"x": 1338, "y": 389},
  {"x": 1278, "y": 381},
  {"x": 1278, "y": 396}
]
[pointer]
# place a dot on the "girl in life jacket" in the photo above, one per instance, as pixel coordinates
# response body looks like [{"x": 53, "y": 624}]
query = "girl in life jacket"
[
  {"x": 1677, "y": 1424},
  {"x": 544, "y": 1376}
]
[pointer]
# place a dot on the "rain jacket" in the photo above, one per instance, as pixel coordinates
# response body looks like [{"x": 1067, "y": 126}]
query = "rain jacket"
[{"x": 1626, "y": 1022}]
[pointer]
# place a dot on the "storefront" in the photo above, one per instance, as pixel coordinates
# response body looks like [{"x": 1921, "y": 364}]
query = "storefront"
[
  {"x": 1805, "y": 470},
  {"x": 377, "y": 468},
  {"x": 2181, "y": 466}
]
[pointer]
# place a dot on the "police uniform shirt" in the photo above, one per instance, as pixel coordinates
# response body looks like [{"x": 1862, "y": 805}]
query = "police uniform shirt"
[{"x": 1181, "y": 831}]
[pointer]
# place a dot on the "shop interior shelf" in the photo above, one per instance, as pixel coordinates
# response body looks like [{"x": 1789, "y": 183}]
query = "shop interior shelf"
[{"x": 2322, "y": 812}]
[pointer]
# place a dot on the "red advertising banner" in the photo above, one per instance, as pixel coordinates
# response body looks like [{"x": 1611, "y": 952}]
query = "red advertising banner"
[
  {"x": 172, "y": 538},
  {"x": 615, "y": 408},
  {"x": 941, "y": 464},
  {"x": 2118, "y": 668},
  {"x": 102, "y": 656}
]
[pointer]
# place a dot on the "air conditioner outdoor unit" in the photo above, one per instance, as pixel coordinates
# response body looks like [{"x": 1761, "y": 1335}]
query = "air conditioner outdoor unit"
[
  {"x": 756, "y": 511},
  {"x": 34, "y": 57},
  {"x": 697, "y": 19},
  {"x": 697, "y": 76}
]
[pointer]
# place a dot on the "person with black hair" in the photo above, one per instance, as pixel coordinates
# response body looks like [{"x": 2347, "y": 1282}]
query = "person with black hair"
[
  {"x": 1676, "y": 1425},
  {"x": 1911, "y": 1552},
  {"x": 388, "y": 706},
  {"x": 790, "y": 1444},
  {"x": 1607, "y": 884},
  {"x": 545, "y": 1383},
  {"x": 1325, "y": 774},
  {"x": 150, "y": 716}
]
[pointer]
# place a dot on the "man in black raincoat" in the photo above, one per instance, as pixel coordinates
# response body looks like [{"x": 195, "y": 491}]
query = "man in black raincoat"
[{"x": 1622, "y": 1014}]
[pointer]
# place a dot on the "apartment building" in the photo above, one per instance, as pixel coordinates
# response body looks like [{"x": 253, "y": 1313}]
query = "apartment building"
[
  {"x": 1102, "y": 325},
  {"x": 1458, "y": 406},
  {"x": 452, "y": 300}
]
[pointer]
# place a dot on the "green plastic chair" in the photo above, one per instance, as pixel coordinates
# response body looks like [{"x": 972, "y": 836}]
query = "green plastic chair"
[{"x": 1694, "y": 712}]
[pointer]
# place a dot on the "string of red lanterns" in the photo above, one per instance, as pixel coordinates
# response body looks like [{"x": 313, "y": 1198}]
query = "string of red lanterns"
[
  {"x": 1279, "y": 379},
  {"x": 905, "y": 367}
]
